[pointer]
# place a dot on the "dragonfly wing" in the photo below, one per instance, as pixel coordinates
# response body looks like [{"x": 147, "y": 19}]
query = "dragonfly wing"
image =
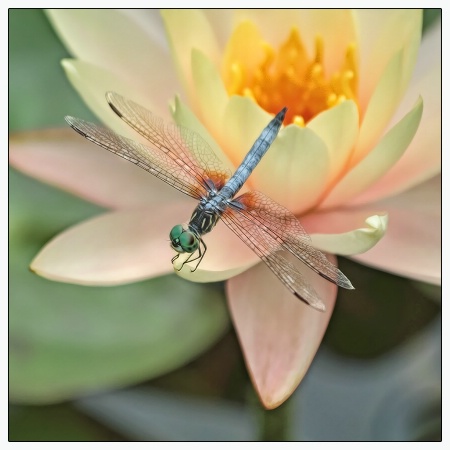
[
  {"x": 152, "y": 160},
  {"x": 280, "y": 223},
  {"x": 270, "y": 250},
  {"x": 180, "y": 144}
]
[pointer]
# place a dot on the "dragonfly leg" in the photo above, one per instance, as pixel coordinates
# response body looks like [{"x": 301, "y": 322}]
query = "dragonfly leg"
[{"x": 199, "y": 256}]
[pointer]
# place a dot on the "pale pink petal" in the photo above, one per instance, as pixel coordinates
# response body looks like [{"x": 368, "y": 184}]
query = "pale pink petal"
[
  {"x": 115, "y": 41},
  {"x": 279, "y": 334},
  {"x": 387, "y": 152},
  {"x": 381, "y": 33},
  {"x": 64, "y": 159},
  {"x": 189, "y": 29},
  {"x": 422, "y": 160},
  {"x": 114, "y": 248},
  {"x": 412, "y": 244}
]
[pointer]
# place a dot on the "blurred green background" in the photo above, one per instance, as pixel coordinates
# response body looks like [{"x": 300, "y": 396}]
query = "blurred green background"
[{"x": 158, "y": 360}]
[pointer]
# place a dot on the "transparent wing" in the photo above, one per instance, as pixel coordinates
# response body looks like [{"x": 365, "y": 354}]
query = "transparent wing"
[
  {"x": 282, "y": 225},
  {"x": 270, "y": 250},
  {"x": 153, "y": 160},
  {"x": 180, "y": 144}
]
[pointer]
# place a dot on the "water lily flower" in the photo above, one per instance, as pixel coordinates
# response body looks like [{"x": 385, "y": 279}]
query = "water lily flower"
[{"x": 351, "y": 154}]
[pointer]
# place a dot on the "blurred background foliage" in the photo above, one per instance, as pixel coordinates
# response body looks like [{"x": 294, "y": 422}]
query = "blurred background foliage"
[{"x": 158, "y": 360}]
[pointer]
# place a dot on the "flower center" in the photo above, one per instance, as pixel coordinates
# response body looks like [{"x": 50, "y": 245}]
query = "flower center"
[{"x": 289, "y": 77}]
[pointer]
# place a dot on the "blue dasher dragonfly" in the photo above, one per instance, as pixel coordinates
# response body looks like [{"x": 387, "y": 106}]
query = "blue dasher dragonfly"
[{"x": 182, "y": 159}]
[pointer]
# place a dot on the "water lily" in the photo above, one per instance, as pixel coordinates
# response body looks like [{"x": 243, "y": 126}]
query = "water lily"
[{"x": 350, "y": 155}]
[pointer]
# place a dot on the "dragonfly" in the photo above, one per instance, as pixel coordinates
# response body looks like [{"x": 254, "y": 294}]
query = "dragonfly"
[{"x": 183, "y": 159}]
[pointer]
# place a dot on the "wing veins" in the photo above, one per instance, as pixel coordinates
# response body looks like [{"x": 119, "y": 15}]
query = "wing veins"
[
  {"x": 147, "y": 158},
  {"x": 268, "y": 249},
  {"x": 178, "y": 143},
  {"x": 298, "y": 242}
]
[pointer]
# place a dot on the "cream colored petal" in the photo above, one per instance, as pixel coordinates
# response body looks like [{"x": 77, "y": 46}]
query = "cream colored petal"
[
  {"x": 189, "y": 29},
  {"x": 114, "y": 248},
  {"x": 364, "y": 232},
  {"x": 294, "y": 170},
  {"x": 64, "y": 159},
  {"x": 242, "y": 123},
  {"x": 279, "y": 335},
  {"x": 381, "y": 33},
  {"x": 378, "y": 161},
  {"x": 211, "y": 94},
  {"x": 422, "y": 160},
  {"x": 338, "y": 127},
  {"x": 184, "y": 117},
  {"x": 92, "y": 83},
  {"x": 222, "y": 22},
  {"x": 119, "y": 43},
  {"x": 412, "y": 245}
]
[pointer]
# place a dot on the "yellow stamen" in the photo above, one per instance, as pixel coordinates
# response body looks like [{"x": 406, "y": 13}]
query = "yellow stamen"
[{"x": 287, "y": 77}]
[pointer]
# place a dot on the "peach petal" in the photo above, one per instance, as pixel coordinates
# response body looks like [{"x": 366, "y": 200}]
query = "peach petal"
[
  {"x": 114, "y": 248},
  {"x": 189, "y": 29},
  {"x": 412, "y": 244},
  {"x": 64, "y": 159},
  {"x": 279, "y": 335},
  {"x": 382, "y": 33},
  {"x": 380, "y": 109},
  {"x": 119, "y": 43},
  {"x": 388, "y": 151},
  {"x": 422, "y": 160}
]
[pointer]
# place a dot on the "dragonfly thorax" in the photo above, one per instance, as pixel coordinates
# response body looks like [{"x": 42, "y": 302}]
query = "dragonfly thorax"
[
  {"x": 204, "y": 217},
  {"x": 182, "y": 240}
]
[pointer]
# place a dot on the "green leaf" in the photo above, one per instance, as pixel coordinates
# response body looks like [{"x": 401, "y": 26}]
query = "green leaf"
[{"x": 66, "y": 340}]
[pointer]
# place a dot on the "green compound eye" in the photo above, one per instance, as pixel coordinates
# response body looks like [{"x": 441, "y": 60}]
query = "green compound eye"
[
  {"x": 188, "y": 242},
  {"x": 175, "y": 232},
  {"x": 183, "y": 241}
]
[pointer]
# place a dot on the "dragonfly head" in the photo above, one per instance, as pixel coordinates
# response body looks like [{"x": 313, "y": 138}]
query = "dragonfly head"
[{"x": 183, "y": 241}]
